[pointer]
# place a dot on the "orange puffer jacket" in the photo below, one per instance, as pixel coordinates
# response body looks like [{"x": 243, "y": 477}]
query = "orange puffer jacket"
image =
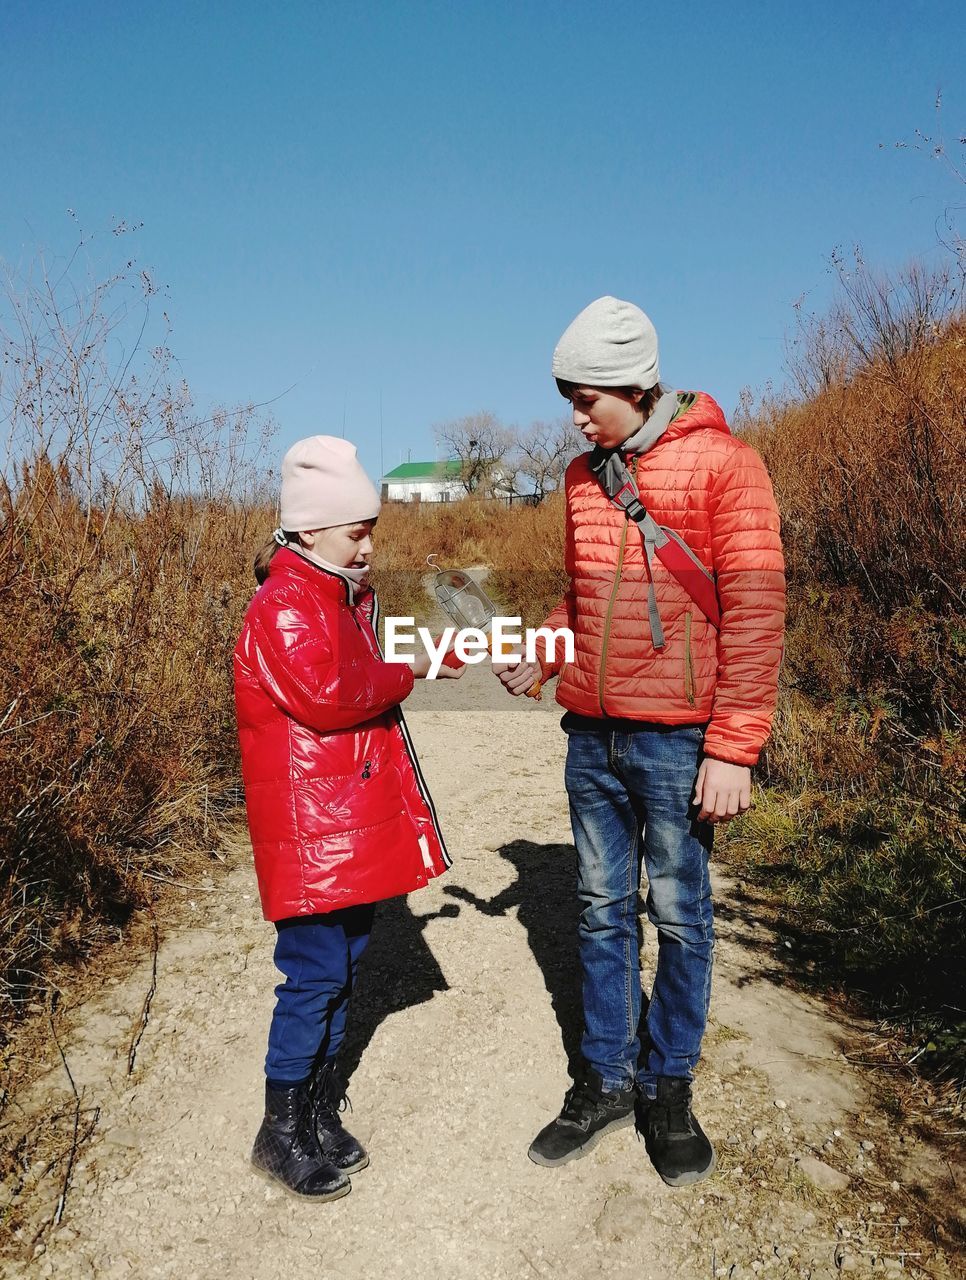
[{"x": 714, "y": 491}]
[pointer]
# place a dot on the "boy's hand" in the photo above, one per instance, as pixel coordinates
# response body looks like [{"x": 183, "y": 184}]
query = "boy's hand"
[
  {"x": 722, "y": 791},
  {"x": 517, "y": 677}
]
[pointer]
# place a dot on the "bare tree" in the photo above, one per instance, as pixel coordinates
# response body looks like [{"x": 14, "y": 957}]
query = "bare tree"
[
  {"x": 482, "y": 445},
  {"x": 544, "y": 451}
]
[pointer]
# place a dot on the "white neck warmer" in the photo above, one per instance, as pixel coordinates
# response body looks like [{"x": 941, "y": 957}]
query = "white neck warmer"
[{"x": 357, "y": 578}]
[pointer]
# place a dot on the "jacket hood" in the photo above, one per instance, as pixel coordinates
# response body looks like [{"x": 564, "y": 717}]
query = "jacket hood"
[{"x": 698, "y": 411}]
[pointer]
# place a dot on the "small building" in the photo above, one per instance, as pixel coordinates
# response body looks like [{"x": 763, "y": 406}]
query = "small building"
[{"x": 424, "y": 482}]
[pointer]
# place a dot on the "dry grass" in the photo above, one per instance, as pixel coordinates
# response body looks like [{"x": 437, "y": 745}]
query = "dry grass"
[
  {"x": 125, "y": 527},
  {"x": 861, "y": 822}
]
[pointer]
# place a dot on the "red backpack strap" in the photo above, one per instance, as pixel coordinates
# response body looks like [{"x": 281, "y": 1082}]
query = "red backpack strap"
[{"x": 669, "y": 547}]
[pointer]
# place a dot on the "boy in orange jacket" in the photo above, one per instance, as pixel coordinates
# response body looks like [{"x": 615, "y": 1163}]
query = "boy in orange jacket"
[{"x": 668, "y": 703}]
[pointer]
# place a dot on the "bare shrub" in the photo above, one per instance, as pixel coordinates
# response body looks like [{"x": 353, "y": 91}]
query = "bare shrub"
[
  {"x": 126, "y": 523},
  {"x": 867, "y": 758}
]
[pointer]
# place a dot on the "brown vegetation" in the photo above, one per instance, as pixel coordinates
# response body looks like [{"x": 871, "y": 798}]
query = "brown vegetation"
[
  {"x": 126, "y": 528},
  {"x": 522, "y": 546},
  {"x": 861, "y": 823}
]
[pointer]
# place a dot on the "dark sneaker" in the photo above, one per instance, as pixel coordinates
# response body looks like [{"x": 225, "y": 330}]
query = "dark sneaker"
[
  {"x": 589, "y": 1111},
  {"x": 676, "y": 1143},
  {"x": 337, "y": 1143},
  {"x": 287, "y": 1149}
]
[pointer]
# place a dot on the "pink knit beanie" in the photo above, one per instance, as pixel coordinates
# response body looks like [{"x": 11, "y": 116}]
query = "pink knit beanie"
[{"x": 323, "y": 484}]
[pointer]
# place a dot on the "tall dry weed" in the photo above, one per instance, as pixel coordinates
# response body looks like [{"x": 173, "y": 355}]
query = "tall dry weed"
[
  {"x": 867, "y": 468},
  {"x": 125, "y": 528}
]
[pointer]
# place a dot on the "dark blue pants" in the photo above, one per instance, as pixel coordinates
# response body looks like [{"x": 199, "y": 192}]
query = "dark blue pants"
[
  {"x": 630, "y": 792},
  {"x": 319, "y": 957}
]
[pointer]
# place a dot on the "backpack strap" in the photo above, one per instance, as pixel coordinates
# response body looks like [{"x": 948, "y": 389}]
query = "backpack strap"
[
  {"x": 615, "y": 479},
  {"x": 628, "y": 498}
]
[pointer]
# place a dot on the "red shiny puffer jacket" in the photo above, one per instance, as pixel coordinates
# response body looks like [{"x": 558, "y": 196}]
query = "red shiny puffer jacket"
[
  {"x": 338, "y": 811},
  {"x": 713, "y": 490}
]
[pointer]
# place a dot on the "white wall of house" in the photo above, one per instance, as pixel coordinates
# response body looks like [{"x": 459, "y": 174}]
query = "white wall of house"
[{"x": 425, "y": 490}]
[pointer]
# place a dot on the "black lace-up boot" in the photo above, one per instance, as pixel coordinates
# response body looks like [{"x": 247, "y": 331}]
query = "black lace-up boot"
[
  {"x": 679, "y": 1149},
  {"x": 287, "y": 1149},
  {"x": 589, "y": 1111},
  {"x": 328, "y": 1099}
]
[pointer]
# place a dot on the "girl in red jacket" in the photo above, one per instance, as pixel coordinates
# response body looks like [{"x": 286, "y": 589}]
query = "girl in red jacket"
[
  {"x": 339, "y": 814},
  {"x": 676, "y": 602}
]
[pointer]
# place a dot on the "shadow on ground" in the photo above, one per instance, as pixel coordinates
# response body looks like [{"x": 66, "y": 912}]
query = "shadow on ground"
[
  {"x": 401, "y": 972},
  {"x": 543, "y": 894},
  {"x": 397, "y": 972}
]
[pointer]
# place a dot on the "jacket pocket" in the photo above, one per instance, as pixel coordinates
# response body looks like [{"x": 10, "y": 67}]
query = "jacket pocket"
[{"x": 688, "y": 659}]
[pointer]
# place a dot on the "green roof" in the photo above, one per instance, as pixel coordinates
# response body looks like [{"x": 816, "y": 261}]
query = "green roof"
[{"x": 451, "y": 469}]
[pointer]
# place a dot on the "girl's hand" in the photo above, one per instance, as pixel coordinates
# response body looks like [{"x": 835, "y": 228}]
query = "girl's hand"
[
  {"x": 420, "y": 665},
  {"x": 422, "y": 662},
  {"x": 722, "y": 791},
  {"x": 517, "y": 677}
]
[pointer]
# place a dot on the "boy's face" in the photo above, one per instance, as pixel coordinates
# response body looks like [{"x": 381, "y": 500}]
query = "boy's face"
[{"x": 606, "y": 416}]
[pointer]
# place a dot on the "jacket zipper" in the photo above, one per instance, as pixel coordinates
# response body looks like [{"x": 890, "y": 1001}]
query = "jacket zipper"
[
  {"x": 688, "y": 660},
  {"x": 411, "y": 753},
  {"x": 608, "y": 616},
  {"x": 367, "y": 769}
]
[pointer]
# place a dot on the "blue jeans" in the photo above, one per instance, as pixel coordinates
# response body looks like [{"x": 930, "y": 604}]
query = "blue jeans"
[
  {"x": 319, "y": 957},
  {"x": 631, "y": 786}
]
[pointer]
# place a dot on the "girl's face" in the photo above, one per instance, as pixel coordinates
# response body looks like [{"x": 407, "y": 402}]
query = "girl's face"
[
  {"x": 606, "y": 416},
  {"x": 347, "y": 545}
]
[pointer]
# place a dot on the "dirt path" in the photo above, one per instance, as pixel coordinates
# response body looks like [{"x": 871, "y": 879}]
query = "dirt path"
[{"x": 467, "y": 1001}]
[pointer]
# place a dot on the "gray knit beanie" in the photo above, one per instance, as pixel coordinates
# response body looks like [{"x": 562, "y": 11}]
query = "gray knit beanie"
[{"x": 610, "y": 344}]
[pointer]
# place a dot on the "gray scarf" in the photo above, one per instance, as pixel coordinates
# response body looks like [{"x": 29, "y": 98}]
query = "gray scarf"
[
  {"x": 612, "y": 472},
  {"x": 644, "y": 438}
]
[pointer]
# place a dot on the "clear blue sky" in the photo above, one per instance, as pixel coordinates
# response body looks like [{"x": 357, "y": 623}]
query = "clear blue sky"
[{"x": 414, "y": 199}]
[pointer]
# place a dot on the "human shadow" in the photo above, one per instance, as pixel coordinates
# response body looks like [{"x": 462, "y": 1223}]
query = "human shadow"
[
  {"x": 398, "y": 971},
  {"x": 546, "y": 897}
]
